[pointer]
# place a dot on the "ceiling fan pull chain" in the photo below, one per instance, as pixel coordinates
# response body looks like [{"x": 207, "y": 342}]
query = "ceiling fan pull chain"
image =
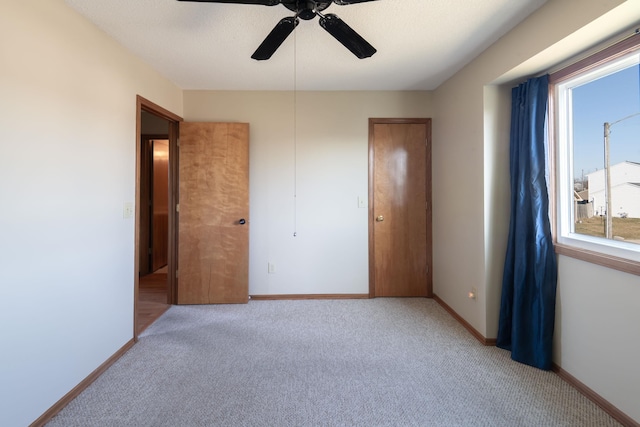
[{"x": 295, "y": 135}]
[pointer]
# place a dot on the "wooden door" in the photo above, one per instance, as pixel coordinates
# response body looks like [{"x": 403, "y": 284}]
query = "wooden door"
[
  {"x": 400, "y": 207},
  {"x": 213, "y": 224}
]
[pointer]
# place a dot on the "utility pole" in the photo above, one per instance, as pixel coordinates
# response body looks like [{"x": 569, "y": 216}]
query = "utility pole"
[
  {"x": 607, "y": 176},
  {"x": 608, "y": 228}
]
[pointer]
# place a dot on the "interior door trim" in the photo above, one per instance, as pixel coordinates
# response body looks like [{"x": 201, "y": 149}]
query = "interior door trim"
[
  {"x": 428, "y": 208},
  {"x": 143, "y": 104}
]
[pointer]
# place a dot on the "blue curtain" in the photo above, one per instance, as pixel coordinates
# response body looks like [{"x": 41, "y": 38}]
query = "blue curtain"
[{"x": 527, "y": 309}]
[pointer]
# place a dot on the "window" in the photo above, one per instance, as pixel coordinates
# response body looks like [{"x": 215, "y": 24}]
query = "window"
[{"x": 596, "y": 145}]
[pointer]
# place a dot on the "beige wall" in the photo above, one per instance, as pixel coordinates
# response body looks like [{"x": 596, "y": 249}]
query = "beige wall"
[
  {"x": 67, "y": 166},
  {"x": 327, "y": 168},
  {"x": 596, "y": 334}
]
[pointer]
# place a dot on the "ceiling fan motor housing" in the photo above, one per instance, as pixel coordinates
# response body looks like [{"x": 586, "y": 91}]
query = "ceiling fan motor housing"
[{"x": 306, "y": 9}]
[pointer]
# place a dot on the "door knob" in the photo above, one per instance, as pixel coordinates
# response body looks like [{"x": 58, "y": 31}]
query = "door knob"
[
  {"x": 380, "y": 218},
  {"x": 242, "y": 221}
]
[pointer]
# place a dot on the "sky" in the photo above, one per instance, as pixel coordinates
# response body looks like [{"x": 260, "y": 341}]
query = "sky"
[{"x": 607, "y": 99}]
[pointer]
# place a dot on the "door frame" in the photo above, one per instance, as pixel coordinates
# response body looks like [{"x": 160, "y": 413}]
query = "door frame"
[
  {"x": 143, "y": 104},
  {"x": 428, "y": 208}
]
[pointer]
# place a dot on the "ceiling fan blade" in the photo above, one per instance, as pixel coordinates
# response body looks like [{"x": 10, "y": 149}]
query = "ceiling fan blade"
[
  {"x": 347, "y": 36},
  {"x": 262, "y": 2},
  {"x": 345, "y": 2},
  {"x": 275, "y": 38}
]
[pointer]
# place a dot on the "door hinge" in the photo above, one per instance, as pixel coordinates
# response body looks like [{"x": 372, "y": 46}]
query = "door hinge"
[
  {"x": 150, "y": 252},
  {"x": 178, "y": 207},
  {"x": 426, "y": 205},
  {"x": 176, "y": 273},
  {"x": 178, "y": 142}
]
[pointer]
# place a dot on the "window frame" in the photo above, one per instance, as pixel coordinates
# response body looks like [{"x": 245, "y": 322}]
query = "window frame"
[{"x": 616, "y": 255}]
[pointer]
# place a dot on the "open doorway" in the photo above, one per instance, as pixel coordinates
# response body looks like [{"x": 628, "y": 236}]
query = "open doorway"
[
  {"x": 155, "y": 225},
  {"x": 154, "y": 201},
  {"x": 153, "y": 250}
]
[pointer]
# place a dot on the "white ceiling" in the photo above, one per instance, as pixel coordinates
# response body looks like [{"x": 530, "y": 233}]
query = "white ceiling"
[{"x": 420, "y": 43}]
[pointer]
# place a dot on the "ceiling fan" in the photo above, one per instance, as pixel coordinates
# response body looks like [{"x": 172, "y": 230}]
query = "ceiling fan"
[{"x": 307, "y": 9}]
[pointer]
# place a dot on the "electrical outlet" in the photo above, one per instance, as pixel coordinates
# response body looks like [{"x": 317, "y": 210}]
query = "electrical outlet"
[{"x": 271, "y": 268}]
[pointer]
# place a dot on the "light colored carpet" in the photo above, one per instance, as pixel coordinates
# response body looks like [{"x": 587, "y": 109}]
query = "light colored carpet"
[{"x": 379, "y": 362}]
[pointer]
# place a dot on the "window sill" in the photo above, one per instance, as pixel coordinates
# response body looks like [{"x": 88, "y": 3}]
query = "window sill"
[{"x": 613, "y": 262}]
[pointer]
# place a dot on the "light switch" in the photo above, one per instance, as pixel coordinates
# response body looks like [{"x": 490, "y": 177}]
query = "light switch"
[
  {"x": 362, "y": 202},
  {"x": 127, "y": 210}
]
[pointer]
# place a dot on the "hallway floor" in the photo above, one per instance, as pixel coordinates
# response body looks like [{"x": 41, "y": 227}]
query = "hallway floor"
[{"x": 152, "y": 299}]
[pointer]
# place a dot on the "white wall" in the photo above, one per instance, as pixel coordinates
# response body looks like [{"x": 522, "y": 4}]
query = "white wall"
[
  {"x": 624, "y": 189},
  {"x": 497, "y": 193},
  {"x": 625, "y": 199},
  {"x": 67, "y": 165},
  {"x": 596, "y": 320},
  {"x": 596, "y": 338},
  {"x": 327, "y": 165}
]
